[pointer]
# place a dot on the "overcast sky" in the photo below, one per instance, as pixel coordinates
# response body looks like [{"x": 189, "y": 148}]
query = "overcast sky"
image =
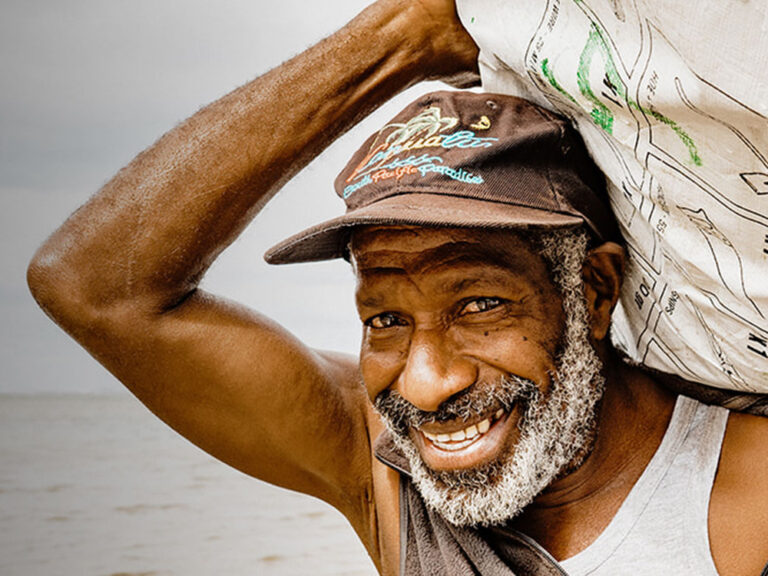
[{"x": 86, "y": 85}]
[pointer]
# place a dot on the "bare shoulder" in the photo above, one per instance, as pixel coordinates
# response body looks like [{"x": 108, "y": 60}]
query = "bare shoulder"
[
  {"x": 744, "y": 458},
  {"x": 738, "y": 519}
]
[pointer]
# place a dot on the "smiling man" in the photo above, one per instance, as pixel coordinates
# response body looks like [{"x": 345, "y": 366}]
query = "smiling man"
[
  {"x": 481, "y": 440},
  {"x": 488, "y": 426}
]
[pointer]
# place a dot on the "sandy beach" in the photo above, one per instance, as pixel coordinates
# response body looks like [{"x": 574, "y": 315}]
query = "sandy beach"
[{"x": 97, "y": 486}]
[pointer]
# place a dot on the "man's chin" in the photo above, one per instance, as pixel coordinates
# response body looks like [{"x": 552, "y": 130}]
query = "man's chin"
[
  {"x": 528, "y": 452},
  {"x": 469, "y": 496}
]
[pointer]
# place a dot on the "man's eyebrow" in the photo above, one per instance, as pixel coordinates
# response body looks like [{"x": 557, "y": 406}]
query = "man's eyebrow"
[
  {"x": 375, "y": 301},
  {"x": 371, "y": 302},
  {"x": 460, "y": 285}
]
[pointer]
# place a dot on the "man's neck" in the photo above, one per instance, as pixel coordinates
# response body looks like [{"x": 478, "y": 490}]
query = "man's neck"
[{"x": 632, "y": 420}]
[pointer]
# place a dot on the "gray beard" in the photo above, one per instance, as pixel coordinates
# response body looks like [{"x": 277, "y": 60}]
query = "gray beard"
[{"x": 557, "y": 430}]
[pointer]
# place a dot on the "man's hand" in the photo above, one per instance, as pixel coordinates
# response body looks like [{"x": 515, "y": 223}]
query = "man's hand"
[{"x": 454, "y": 51}]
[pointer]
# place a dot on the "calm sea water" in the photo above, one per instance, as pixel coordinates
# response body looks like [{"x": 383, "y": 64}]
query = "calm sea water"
[{"x": 98, "y": 486}]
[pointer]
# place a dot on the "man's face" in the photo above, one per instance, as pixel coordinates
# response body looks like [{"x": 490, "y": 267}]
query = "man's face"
[{"x": 463, "y": 341}]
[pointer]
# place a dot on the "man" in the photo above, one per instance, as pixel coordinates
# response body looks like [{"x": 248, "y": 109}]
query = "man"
[{"x": 485, "y": 370}]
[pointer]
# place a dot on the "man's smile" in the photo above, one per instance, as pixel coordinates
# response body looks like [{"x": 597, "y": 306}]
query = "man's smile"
[
  {"x": 460, "y": 438},
  {"x": 461, "y": 444}
]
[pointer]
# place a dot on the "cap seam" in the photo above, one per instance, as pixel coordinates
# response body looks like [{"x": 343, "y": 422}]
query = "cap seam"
[
  {"x": 561, "y": 136},
  {"x": 403, "y": 190}
]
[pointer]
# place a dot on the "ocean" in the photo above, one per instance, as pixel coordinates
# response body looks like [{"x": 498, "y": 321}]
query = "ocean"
[{"x": 98, "y": 486}]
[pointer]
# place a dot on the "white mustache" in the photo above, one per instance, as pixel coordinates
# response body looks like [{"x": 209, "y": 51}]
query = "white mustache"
[{"x": 478, "y": 399}]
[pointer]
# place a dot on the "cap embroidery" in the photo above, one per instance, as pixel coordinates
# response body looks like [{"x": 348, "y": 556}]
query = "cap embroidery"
[
  {"x": 483, "y": 124},
  {"x": 421, "y": 131}
]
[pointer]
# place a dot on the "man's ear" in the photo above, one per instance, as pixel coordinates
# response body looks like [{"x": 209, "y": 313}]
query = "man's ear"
[{"x": 603, "y": 271}]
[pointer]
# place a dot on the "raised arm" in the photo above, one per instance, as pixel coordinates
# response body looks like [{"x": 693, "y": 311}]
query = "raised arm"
[{"x": 121, "y": 274}]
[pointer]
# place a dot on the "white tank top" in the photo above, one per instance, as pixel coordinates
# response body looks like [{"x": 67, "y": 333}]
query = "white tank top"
[{"x": 663, "y": 523}]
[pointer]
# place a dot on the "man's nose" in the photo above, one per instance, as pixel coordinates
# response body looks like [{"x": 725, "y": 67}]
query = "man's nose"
[{"x": 433, "y": 371}]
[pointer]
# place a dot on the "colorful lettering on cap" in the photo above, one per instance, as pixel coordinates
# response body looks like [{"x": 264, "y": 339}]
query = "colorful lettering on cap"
[{"x": 428, "y": 130}]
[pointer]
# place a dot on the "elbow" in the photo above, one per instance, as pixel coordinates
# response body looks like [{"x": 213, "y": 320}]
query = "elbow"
[
  {"x": 68, "y": 294},
  {"x": 81, "y": 292},
  {"x": 56, "y": 286},
  {"x": 42, "y": 273}
]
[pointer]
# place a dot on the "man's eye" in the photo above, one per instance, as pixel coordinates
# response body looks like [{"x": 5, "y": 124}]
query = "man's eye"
[
  {"x": 480, "y": 305},
  {"x": 385, "y": 320}
]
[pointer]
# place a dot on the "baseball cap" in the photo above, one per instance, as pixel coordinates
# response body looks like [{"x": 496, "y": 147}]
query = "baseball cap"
[{"x": 463, "y": 159}]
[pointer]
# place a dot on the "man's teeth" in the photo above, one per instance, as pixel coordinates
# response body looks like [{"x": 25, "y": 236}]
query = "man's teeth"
[{"x": 461, "y": 438}]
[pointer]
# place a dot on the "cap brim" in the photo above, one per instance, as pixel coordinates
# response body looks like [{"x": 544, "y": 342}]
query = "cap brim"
[{"x": 328, "y": 240}]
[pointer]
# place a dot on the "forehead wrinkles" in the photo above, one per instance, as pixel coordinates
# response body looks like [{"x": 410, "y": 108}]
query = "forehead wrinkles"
[{"x": 413, "y": 253}]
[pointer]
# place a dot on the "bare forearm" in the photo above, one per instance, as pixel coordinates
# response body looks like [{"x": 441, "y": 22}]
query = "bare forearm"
[{"x": 151, "y": 233}]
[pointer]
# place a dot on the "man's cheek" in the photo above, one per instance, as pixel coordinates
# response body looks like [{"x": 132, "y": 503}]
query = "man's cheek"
[{"x": 379, "y": 370}]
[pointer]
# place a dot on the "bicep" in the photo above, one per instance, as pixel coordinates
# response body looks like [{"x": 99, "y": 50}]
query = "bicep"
[{"x": 248, "y": 392}]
